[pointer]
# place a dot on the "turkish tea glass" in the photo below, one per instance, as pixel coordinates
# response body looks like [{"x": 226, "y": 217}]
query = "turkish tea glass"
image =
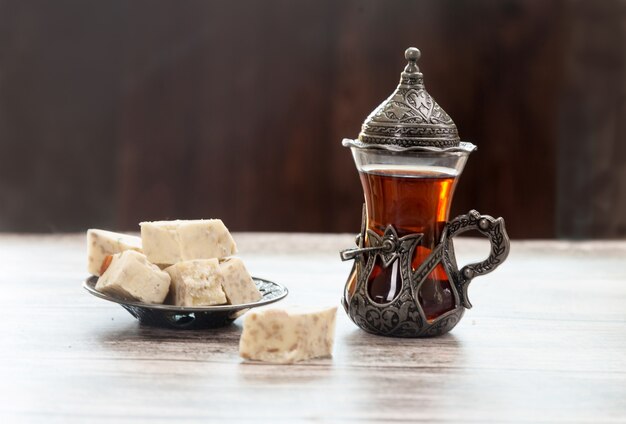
[{"x": 412, "y": 191}]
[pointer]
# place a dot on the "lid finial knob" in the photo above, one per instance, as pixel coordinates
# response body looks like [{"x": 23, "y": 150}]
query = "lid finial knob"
[{"x": 412, "y": 54}]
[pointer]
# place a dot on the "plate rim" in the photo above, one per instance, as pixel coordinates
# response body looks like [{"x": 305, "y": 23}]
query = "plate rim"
[{"x": 90, "y": 282}]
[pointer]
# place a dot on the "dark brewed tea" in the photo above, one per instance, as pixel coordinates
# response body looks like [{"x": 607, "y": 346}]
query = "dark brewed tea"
[{"x": 413, "y": 201}]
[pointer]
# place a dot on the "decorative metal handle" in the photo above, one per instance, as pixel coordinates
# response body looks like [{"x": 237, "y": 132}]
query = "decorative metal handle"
[{"x": 488, "y": 226}]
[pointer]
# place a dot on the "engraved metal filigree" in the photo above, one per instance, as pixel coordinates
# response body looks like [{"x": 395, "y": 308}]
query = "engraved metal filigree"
[
  {"x": 491, "y": 227},
  {"x": 403, "y": 316},
  {"x": 410, "y": 116}
]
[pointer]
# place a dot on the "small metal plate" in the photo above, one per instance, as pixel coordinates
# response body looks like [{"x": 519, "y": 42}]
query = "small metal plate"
[{"x": 190, "y": 318}]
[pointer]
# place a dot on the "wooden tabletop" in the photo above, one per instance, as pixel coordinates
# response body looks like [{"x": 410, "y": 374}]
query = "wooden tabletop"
[{"x": 545, "y": 342}]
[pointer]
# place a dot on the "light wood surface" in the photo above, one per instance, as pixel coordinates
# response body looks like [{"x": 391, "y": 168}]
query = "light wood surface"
[{"x": 545, "y": 342}]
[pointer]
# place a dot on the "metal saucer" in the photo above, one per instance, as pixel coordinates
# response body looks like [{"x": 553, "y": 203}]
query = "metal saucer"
[{"x": 190, "y": 318}]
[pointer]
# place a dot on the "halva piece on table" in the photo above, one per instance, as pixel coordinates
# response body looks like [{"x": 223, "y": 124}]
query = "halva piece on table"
[
  {"x": 101, "y": 243},
  {"x": 288, "y": 335},
  {"x": 196, "y": 283},
  {"x": 170, "y": 242},
  {"x": 237, "y": 284},
  {"x": 131, "y": 276}
]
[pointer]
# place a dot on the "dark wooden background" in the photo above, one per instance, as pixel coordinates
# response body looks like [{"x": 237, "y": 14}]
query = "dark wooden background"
[{"x": 117, "y": 111}]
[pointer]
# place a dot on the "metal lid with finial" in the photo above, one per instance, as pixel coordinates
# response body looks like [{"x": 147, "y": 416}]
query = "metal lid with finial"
[{"x": 410, "y": 119}]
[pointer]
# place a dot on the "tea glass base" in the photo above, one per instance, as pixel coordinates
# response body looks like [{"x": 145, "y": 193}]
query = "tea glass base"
[{"x": 407, "y": 325}]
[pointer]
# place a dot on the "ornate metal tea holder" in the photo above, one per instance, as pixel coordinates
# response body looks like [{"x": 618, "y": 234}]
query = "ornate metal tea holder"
[
  {"x": 404, "y": 316},
  {"x": 405, "y": 129}
]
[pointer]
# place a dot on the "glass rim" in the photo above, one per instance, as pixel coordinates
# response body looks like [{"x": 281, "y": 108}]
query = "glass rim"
[{"x": 463, "y": 147}]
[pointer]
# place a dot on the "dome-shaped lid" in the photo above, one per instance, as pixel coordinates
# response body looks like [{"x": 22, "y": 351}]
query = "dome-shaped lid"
[{"x": 410, "y": 118}]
